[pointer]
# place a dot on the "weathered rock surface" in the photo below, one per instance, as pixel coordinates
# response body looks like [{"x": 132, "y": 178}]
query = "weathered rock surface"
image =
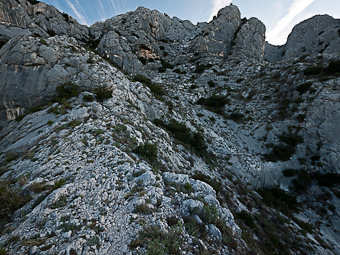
[
  {"x": 317, "y": 35},
  {"x": 40, "y": 18},
  {"x": 184, "y": 156}
]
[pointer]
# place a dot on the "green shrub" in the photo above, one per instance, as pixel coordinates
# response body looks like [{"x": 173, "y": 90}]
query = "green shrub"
[
  {"x": 327, "y": 179},
  {"x": 143, "y": 209},
  {"x": 246, "y": 218},
  {"x": 58, "y": 184},
  {"x": 159, "y": 242},
  {"x": 67, "y": 90},
  {"x": 214, "y": 103},
  {"x": 333, "y": 67},
  {"x": 155, "y": 88},
  {"x": 314, "y": 70},
  {"x": 207, "y": 179},
  {"x": 10, "y": 200},
  {"x": 102, "y": 93},
  {"x": 88, "y": 98},
  {"x": 43, "y": 42},
  {"x": 200, "y": 68},
  {"x": 285, "y": 149},
  {"x": 10, "y": 156},
  {"x": 74, "y": 123},
  {"x": 303, "y": 181},
  {"x": 3, "y": 251},
  {"x": 303, "y": 88},
  {"x": 209, "y": 214},
  {"x": 147, "y": 151},
  {"x": 211, "y": 84},
  {"x": 235, "y": 116},
  {"x": 195, "y": 141},
  {"x": 279, "y": 199}
]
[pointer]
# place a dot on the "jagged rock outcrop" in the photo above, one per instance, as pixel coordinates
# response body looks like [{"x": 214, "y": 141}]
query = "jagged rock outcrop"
[
  {"x": 317, "y": 35},
  {"x": 216, "y": 36},
  {"x": 40, "y": 18},
  {"x": 250, "y": 41}
]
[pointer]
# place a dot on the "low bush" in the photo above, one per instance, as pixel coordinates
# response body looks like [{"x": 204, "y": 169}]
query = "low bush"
[
  {"x": 333, "y": 67},
  {"x": 235, "y": 116},
  {"x": 102, "y": 93},
  {"x": 279, "y": 199},
  {"x": 158, "y": 241},
  {"x": 43, "y": 42},
  {"x": 10, "y": 200},
  {"x": 88, "y": 98},
  {"x": 155, "y": 88},
  {"x": 314, "y": 70},
  {"x": 303, "y": 88},
  {"x": 207, "y": 179},
  {"x": 180, "y": 131},
  {"x": 246, "y": 218},
  {"x": 143, "y": 209},
  {"x": 200, "y": 68},
  {"x": 285, "y": 149},
  {"x": 290, "y": 172},
  {"x": 66, "y": 91},
  {"x": 214, "y": 103},
  {"x": 147, "y": 151},
  {"x": 211, "y": 84}
]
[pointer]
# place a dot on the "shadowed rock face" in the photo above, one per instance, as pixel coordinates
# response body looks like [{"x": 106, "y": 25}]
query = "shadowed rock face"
[{"x": 319, "y": 34}]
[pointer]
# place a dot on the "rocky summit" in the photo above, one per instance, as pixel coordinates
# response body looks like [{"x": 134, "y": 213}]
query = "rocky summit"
[{"x": 146, "y": 134}]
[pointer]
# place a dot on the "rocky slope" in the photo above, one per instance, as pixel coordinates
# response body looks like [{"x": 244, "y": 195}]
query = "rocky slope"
[{"x": 199, "y": 147}]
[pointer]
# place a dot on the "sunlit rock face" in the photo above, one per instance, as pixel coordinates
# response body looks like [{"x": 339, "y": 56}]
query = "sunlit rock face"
[{"x": 317, "y": 35}]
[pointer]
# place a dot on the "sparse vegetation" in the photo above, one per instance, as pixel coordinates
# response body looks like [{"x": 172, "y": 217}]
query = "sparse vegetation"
[
  {"x": 200, "y": 68},
  {"x": 147, "y": 151},
  {"x": 43, "y": 42},
  {"x": 10, "y": 200},
  {"x": 158, "y": 241},
  {"x": 285, "y": 149},
  {"x": 195, "y": 141},
  {"x": 303, "y": 88},
  {"x": 156, "y": 89},
  {"x": 279, "y": 199},
  {"x": 143, "y": 208},
  {"x": 102, "y": 93},
  {"x": 88, "y": 98},
  {"x": 66, "y": 91},
  {"x": 165, "y": 65},
  {"x": 246, "y": 218},
  {"x": 214, "y": 103}
]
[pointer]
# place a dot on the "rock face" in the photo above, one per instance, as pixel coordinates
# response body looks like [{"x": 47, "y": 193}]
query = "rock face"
[
  {"x": 208, "y": 150},
  {"x": 40, "y": 19},
  {"x": 249, "y": 43},
  {"x": 216, "y": 37},
  {"x": 142, "y": 37},
  {"x": 319, "y": 34}
]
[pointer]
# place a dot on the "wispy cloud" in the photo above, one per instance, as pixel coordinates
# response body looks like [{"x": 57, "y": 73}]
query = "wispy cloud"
[
  {"x": 276, "y": 35},
  {"x": 217, "y": 5},
  {"x": 80, "y": 17},
  {"x": 101, "y": 10}
]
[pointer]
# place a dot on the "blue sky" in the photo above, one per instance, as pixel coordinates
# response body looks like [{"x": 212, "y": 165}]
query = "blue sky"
[{"x": 279, "y": 16}]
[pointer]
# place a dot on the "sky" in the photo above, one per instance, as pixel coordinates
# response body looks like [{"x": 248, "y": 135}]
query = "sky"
[{"x": 279, "y": 16}]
